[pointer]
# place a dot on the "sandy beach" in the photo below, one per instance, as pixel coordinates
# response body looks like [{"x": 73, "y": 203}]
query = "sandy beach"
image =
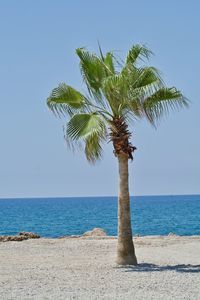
[{"x": 84, "y": 268}]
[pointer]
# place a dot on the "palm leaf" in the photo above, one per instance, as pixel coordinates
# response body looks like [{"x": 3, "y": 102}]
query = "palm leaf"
[
  {"x": 84, "y": 125},
  {"x": 115, "y": 91},
  {"x": 88, "y": 129},
  {"x": 161, "y": 101},
  {"x": 143, "y": 77},
  {"x": 65, "y": 99},
  {"x": 137, "y": 52},
  {"x": 93, "y": 149},
  {"x": 138, "y": 84},
  {"x": 92, "y": 69},
  {"x": 109, "y": 62}
]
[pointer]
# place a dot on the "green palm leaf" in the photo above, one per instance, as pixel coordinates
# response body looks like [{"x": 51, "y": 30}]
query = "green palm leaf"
[
  {"x": 137, "y": 52},
  {"x": 161, "y": 101},
  {"x": 92, "y": 69},
  {"x": 84, "y": 125},
  {"x": 115, "y": 90},
  {"x": 65, "y": 99},
  {"x": 109, "y": 62},
  {"x": 93, "y": 149},
  {"x": 89, "y": 128},
  {"x": 144, "y": 77}
]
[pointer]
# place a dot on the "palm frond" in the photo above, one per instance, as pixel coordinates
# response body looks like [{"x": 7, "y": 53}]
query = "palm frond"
[
  {"x": 66, "y": 100},
  {"x": 93, "y": 149},
  {"x": 161, "y": 101},
  {"x": 109, "y": 62},
  {"x": 83, "y": 125},
  {"x": 138, "y": 52},
  {"x": 101, "y": 52},
  {"x": 115, "y": 90},
  {"x": 89, "y": 130},
  {"x": 132, "y": 109},
  {"x": 92, "y": 69},
  {"x": 143, "y": 77},
  {"x": 139, "y": 84}
]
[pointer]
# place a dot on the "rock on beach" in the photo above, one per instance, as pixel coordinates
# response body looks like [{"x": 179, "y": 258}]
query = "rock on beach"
[{"x": 20, "y": 237}]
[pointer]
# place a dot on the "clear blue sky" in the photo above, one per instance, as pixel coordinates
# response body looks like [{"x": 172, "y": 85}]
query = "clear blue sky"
[{"x": 38, "y": 41}]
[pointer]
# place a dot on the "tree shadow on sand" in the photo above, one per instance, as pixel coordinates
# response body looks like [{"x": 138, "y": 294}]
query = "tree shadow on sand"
[{"x": 145, "y": 267}]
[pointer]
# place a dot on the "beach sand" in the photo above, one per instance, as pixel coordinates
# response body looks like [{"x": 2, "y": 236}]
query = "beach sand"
[{"x": 84, "y": 268}]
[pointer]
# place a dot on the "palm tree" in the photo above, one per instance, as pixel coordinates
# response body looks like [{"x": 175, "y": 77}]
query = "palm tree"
[{"x": 117, "y": 93}]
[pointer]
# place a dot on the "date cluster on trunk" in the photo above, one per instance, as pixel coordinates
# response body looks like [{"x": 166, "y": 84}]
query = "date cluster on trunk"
[{"x": 120, "y": 137}]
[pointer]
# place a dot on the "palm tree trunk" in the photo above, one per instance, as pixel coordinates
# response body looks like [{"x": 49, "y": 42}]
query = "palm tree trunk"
[{"x": 125, "y": 247}]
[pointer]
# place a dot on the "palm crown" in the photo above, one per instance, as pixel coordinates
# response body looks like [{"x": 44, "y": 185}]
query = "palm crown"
[{"x": 117, "y": 93}]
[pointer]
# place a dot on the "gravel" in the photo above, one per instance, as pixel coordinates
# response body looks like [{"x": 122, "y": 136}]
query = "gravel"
[{"x": 84, "y": 268}]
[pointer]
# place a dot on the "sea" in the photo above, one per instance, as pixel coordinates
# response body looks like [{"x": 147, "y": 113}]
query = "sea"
[{"x": 56, "y": 217}]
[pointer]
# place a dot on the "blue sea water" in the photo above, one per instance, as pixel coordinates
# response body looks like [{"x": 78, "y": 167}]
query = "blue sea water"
[{"x": 54, "y": 217}]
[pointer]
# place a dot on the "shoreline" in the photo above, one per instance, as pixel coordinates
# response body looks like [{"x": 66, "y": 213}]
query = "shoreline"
[
  {"x": 20, "y": 237},
  {"x": 170, "y": 234}
]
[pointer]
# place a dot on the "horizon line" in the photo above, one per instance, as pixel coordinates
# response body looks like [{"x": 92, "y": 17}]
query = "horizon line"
[{"x": 93, "y": 196}]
